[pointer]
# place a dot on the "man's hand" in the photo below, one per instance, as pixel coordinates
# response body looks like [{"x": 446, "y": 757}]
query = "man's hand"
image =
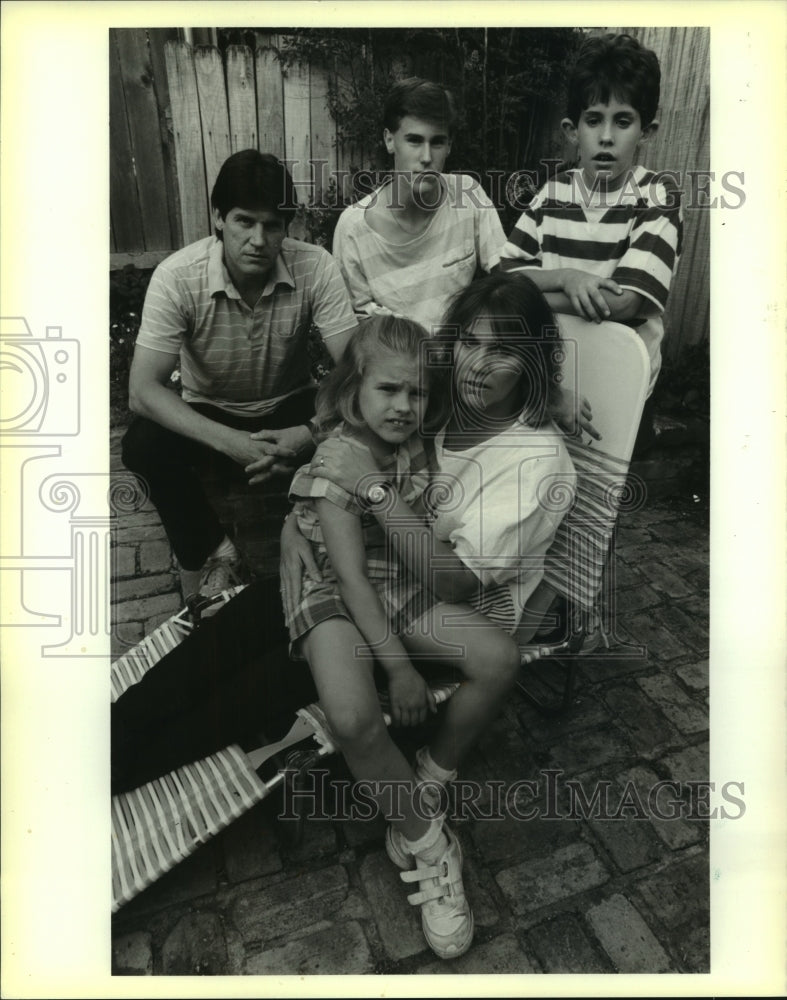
[
  {"x": 268, "y": 453},
  {"x": 584, "y": 292},
  {"x": 346, "y": 462},
  {"x": 260, "y": 459},
  {"x": 296, "y": 561}
]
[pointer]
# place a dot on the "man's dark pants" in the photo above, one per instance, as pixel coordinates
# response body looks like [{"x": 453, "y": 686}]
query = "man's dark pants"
[{"x": 173, "y": 466}]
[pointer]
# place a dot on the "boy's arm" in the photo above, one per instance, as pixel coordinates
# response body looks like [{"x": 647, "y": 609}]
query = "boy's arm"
[
  {"x": 566, "y": 289},
  {"x": 347, "y": 254},
  {"x": 580, "y": 293}
]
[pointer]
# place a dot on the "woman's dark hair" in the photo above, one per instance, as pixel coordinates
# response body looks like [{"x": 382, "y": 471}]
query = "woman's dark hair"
[
  {"x": 419, "y": 98},
  {"x": 525, "y": 325},
  {"x": 337, "y": 396},
  {"x": 615, "y": 66},
  {"x": 254, "y": 181}
]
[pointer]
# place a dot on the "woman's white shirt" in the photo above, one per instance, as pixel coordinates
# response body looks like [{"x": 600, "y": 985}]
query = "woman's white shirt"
[{"x": 496, "y": 506}]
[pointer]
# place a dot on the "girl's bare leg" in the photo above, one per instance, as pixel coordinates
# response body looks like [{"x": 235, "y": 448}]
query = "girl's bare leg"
[
  {"x": 489, "y": 661},
  {"x": 348, "y": 696}
]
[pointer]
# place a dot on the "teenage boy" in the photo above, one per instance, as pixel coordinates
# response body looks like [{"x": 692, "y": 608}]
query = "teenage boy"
[
  {"x": 235, "y": 308},
  {"x": 408, "y": 247},
  {"x": 602, "y": 240}
]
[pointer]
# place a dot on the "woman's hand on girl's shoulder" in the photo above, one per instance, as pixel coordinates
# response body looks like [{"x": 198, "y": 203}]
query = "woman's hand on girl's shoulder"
[{"x": 345, "y": 462}]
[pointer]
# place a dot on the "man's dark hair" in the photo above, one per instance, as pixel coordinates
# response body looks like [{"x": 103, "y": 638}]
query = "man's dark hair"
[
  {"x": 615, "y": 66},
  {"x": 419, "y": 98},
  {"x": 256, "y": 182}
]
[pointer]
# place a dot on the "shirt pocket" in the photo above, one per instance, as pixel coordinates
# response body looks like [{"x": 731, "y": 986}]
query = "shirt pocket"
[{"x": 460, "y": 259}]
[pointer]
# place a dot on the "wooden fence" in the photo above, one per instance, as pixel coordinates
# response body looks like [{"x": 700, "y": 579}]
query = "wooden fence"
[
  {"x": 682, "y": 144},
  {"x": 177, "y": 110}
]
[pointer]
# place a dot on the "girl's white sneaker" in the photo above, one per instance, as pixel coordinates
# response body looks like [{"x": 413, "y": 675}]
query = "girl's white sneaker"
[{"x": 446, "y": 917}]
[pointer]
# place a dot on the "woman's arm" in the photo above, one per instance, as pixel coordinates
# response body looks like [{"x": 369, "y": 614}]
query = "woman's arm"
[
  {"x": 410, "y": 695},
  {"x": 350, "y": 465},
  {"x": 296, "y": 561}
]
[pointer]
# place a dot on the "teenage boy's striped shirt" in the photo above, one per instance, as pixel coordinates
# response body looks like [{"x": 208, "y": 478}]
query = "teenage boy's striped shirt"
[
  {"x": 417, "y": 278},
  {"x": 633, "y": 235}
]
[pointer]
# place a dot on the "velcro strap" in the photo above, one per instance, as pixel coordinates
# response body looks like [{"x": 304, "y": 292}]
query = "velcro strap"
[
  {"x": 426, "y": 895},
  {"x": 421, "y": 874}
]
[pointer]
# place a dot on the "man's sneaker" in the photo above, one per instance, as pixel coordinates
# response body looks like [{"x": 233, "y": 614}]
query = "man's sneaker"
[
  {"x": 218, "y": 575},
  {"x": 446, "y": 917}
]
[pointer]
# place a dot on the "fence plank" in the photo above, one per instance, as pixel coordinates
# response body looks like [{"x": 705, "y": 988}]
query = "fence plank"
[
  {"x": 270, "y": 102},
  {"x": 188, "y": 140},
  {"x": 123, "y": 197},
  {"x": 212, "y": 92},
  {"x": 682, "y": 144},
  {"x": 137, "y": 76},
  {"x": 241, "y": 98},
  {"x": 297, "y": 140},
  {"x": 323, "y": 135},
  {"x": 350, "y": 158},
  {"x": 157, "y": 38}
]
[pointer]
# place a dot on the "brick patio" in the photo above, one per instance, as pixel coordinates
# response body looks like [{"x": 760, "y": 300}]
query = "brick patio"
[{"x": 581, "y": 892}]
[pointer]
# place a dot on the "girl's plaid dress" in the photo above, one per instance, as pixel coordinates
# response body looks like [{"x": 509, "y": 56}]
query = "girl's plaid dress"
[{"x": 402, "y": 596}]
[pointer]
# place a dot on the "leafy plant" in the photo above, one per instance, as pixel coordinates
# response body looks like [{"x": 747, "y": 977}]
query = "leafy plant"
[
  {"x": 508, "y": 82},
  {"x": 127, "y": 288}
]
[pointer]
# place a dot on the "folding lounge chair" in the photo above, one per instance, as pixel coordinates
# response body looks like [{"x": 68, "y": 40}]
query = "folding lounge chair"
[
  {"x": 158, "y": 825},
  {"x": 161, "y": 823}
]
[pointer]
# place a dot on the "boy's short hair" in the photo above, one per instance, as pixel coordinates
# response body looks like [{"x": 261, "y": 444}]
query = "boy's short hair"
[
  {"x": 419, "y": 98},
  {"x": 615, "y": 66},
  {"x": 254, "y": 181}
]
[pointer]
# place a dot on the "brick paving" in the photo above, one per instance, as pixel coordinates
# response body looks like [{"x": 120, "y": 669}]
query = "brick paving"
[{"x": 610, "y": 874}]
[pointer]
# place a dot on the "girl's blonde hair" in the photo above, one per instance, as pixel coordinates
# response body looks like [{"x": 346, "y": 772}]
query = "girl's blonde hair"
[{"x": 337, "y": 396}]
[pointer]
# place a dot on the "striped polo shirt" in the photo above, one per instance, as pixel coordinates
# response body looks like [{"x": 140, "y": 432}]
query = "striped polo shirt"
[
  {"x": 245, "y": 360},
  {"x": 418, "y": 278},
  {"x": 633, "y": 235}
]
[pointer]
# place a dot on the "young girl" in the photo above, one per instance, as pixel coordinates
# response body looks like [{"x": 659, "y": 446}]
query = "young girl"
[
  {"x": 360, "y": 612},
  {"x": 489, "y": 531}
]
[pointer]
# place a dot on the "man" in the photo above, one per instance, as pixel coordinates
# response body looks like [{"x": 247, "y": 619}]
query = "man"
[{"x": 235, "y": 309}]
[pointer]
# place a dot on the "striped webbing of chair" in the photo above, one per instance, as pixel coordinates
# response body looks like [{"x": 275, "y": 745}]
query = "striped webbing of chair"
[
  {"x": 574, "y": 565},
  {"x": 158, "y": 825},
  {"x": 161, "y": 823}
]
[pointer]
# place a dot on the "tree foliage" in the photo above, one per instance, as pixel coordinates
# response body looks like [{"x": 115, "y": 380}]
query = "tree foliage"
[{"x": 509, "y": 84}]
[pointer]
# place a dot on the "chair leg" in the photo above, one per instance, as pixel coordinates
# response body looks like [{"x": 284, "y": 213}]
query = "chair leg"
[{"x": 297, "y": 765}]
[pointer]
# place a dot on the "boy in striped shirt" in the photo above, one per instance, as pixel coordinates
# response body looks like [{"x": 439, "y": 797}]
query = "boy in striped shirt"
[{"x": 602, "y": 240}]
